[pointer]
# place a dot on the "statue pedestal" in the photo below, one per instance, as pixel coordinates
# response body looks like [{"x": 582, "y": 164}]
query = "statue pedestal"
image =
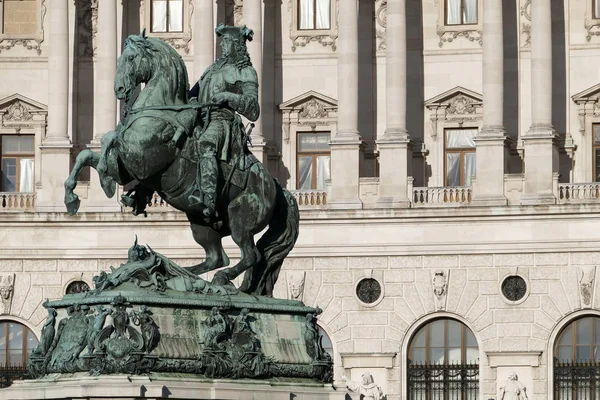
[{"x": 162, "y": 386}]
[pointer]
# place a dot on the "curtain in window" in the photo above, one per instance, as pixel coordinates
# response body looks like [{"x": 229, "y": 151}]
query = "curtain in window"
[
  {"x": 453, "y": 169},
  {"x": 323, "y": 9},
  {"x": 460, "y": 138},
  {"x": 470, "y": 11},
  {"x": 453, "y": 12},
  {"x": 307, "y": 13},
  {"x": 323, "y": 171},
  {"x": 26, "y": 178},
  {"x": 596, "y": 8},
  {"x": 159, "y": 15},
  {"x": 469, "y": 167},
  {"x": 176, "y": 16},
  {"x": 305, "y": 173}
]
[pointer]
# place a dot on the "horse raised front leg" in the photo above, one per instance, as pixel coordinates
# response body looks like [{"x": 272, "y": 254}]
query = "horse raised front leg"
[{"x": 84, "y": 159}]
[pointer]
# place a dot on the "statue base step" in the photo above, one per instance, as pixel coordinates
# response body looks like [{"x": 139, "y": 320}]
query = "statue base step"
[{"x": 81, "y": 386}]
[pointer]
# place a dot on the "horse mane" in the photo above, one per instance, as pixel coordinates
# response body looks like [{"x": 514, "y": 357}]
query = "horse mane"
[{"x": 165, "y": 60}]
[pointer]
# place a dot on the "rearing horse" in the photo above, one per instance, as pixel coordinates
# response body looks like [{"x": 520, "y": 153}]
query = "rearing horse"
[{"x": 148, "y": 145}]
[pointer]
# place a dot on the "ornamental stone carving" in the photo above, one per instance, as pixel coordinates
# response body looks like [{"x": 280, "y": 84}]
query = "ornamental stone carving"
[
  {"x": 461, "y": 104},
  {"x": 87, "y": 18},
  {"x": 313, "y": 109},
  {"x": 440, "y": 287},
  {"x": 586, "y": 277},
  {"x": 8, "y": 42},
  {"x": 526, "y": 24},
  {"x": 302, "y": 37},
  {"x": 7, "y": 282},
  {"x": 449, "y": 33},
  {"x": 295, "y": 281},
  {"x": 512, "y": 389},
  {"x": 456, "y": 106},
  {"x": 381, "y": 24},
  {"x": 18, "y": 111}
]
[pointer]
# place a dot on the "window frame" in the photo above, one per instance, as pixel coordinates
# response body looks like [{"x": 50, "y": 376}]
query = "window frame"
[
  {"x": 574, "y": 344},
  {"x": 314, "y": 155},
  {"x": 451, "y": 33},
  {"x": 17, "y": 156},
  {"x": 594, "y": 16},
  {"x": 24, "y": 350},
  {"x": 427, "y": 347},
  {"x": 37, "y": 36},
  {"x": 325, "y": 37},
  {"x": 462, "y": 151},
  {"x": 595, "y": 146},
  {"x": 298, "y": 2},
  {"x": 180, "y": 40},
  {"x": 167, "y": 31},
  {"x": 462, "y": 7}
]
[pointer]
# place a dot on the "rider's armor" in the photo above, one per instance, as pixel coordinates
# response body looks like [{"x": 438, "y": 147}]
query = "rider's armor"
[{"x": 221, "y": 135}]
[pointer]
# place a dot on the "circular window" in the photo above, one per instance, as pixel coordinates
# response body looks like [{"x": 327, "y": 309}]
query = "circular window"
[
  {"x": 514, "y": 288},
  {"x": 78, "y": 287},
  {"x": 369, "y": 291}
]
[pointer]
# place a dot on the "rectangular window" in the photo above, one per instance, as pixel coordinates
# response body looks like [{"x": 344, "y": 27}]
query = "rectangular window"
[
  {"x": 314, "y": 14},
  {"x": 19, "y": 17},
  {"x": 461, "y": 12},
  {"x": 167, "y": 16},
  {"x": 596, "y": 8},
  {"x": 16, "y": 163},
  {"x": 596, "y": 150},
  {"x": 313, "y": 160},
  {"x": 459, "y": 156}
]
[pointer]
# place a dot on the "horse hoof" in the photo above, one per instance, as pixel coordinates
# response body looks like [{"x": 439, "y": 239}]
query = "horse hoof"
[
  {"x": 73, "y": 205},
  {"x": 220, "y": 279}
]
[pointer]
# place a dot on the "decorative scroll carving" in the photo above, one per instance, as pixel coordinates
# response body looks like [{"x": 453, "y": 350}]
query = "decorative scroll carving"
[
  {"x": 18, "y": 111},
  {"x": 7, "y": 282},
  {"x": 88, "y": 27},
  {"x": 323, "y": 40},
  {"x": 475, "y": 35},
  {"x": 462, "y": 105},
  {"x": 440, "y": 285},
  {"x": 325, "y": 37},
  {"x": 381, "y": 24},
  {"x": 586, "y": 284},
  {"x": 313, "y": 109},
  {"x": 33, "y": 43},
  {"x": 526, "y": 26}
]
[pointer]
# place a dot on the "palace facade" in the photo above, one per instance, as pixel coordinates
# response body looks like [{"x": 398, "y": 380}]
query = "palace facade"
[{"x": 445, "y": 155}]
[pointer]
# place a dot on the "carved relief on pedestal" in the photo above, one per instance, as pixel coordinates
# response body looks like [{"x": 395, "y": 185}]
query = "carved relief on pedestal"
[
  {"x": 585, "y": 276},
  {"x": 295, "y": 282},
  {"x": 439, "y": 282},
  {"x": 381, "y": 24},
  {"x": 526, "y": 24},
  {"x": 87, "y": 24},
  {"x": 7, "y": 284}
]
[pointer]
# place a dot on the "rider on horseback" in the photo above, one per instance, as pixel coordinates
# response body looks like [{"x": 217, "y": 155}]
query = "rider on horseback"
[{"x": 232, "y": 84}]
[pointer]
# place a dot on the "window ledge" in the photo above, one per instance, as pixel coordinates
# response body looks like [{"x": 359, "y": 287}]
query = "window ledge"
[{"x": 448, "y": 33}]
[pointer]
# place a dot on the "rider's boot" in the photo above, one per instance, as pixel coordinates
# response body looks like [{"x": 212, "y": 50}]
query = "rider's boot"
[{"x": 206, "y": 189}]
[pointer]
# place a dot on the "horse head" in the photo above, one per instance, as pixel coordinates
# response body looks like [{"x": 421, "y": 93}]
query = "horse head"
[{"x": 151, "y": 61}]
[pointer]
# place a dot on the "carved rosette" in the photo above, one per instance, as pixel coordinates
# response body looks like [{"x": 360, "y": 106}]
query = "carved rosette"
[
  {"x": 34, "y": 43},
  {"x": 526, "y": 24},
  {"x": 381, "y": 24},
  {"x": 87, "y": 18}
]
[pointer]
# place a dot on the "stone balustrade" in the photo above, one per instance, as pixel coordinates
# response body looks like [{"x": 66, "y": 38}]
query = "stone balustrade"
[
  {"x": 13, "y": 201},
  {"x": 310, "y": 198},
  {"x": 441, "y": 196},
  {"x": 578, "y": 192}
]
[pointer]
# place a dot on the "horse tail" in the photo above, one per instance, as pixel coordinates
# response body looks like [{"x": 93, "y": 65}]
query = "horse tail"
[{"x": 274, "y": 245}]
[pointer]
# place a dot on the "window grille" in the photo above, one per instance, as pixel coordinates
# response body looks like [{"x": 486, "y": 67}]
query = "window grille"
[
  {"x": 576, "y": 379},
  {"x": 431, "y": 381}
]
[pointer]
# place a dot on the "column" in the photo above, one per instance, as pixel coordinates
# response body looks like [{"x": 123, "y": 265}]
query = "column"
[
  {"x": 395, "y": 152},
  {"x": 346, "y": 145},
  {"x": 253, "y": 20},
  {"x": 490, "y": 142},
  {"x": 56, "y": 147},
  {"x": 541, "y": 151},
  {"x": 105, "y": 101},
  {"x": 204, "y": 36}
]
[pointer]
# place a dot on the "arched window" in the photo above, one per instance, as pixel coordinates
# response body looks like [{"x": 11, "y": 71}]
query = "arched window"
[
  {"x": 443, "y": 362},
  {"x": 16, "y": 344},
  {"x": 577, "y": 360}
]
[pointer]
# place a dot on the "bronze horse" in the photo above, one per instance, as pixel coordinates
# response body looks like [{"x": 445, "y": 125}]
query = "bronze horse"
[{"x": 148, "y": 146}]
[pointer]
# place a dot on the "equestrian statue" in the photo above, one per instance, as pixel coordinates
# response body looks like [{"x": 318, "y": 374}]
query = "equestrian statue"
[{"x": 191, "y": 147}]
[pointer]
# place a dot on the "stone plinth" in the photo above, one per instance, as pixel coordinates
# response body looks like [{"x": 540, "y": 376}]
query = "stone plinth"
[{"x": 81, "y": 386}]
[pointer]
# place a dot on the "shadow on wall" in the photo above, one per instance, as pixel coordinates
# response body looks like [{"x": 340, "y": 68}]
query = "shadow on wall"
[
  {"x": 511, "y": 83},
  {"x": 415, "y": 123},
  {"x": 559, "y": 86}
]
